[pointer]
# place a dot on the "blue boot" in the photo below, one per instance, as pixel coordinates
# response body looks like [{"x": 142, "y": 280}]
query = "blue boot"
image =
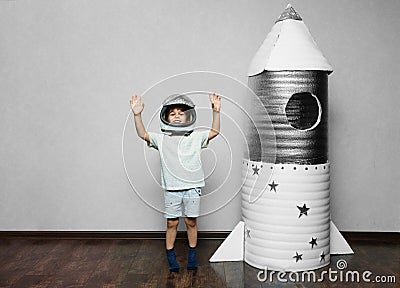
[
  {"x": 192, "y": 259},
  {"x": 173, "y": 265}
]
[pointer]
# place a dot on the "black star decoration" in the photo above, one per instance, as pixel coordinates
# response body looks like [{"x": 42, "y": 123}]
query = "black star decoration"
[
  {"x": 256, "y": 169},
  {"x": 273, "y": 186},
  {"x": 303, "y": 210},
  {"x": 298, "y": 257},
  {"x": 248, "y": 233},
  {"x": 322, "y": 256},
  {"x": 313, "y": 242}
]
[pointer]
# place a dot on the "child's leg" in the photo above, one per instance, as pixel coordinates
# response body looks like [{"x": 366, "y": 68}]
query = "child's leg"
[
  {"x": 173, "y": 211},
  {"x": 191, "y": 201},
  {"x": 191, "y": 227},
  {"x": 172, "y": 228}
]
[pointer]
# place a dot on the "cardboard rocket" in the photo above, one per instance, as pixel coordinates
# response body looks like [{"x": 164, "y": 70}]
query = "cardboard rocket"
[{"x": 285, "y": 197}]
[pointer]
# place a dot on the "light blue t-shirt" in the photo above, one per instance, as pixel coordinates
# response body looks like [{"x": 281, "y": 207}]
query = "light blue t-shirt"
[{"x": 181, "y": 166}]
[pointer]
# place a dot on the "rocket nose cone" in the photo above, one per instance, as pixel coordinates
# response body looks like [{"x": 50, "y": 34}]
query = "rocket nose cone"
[
  {"x": 288, "y": 46},
  {"x": 289, "y": 13}
]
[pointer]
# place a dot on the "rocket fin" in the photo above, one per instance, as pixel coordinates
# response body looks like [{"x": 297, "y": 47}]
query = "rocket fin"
[
  {"x": 339, "y": 245},
  {"x": 232, "y": 247}
]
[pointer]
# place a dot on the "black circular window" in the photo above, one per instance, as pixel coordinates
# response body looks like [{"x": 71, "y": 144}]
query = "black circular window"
[{"x": 303, "y": 111}]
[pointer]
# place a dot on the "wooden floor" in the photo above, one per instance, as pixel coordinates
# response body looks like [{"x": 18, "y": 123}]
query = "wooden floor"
[{"x": 142, "y": 263}]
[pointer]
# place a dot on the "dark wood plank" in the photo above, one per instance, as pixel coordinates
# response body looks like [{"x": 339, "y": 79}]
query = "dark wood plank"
[
  {"x": 81, "y": 263},
  {"x": 22, "y": 260},
  {"x": 115, "y": 264},
  {"x": 234, "y": 274},
  {"x": 54, "y": 259},
  {"x": 207, "y": 270},
  {"x": 250, "y": 276},
  {"x": 34, "y": 281}
]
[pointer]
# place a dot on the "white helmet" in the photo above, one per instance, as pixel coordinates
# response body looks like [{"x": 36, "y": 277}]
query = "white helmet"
[{"x": 187, "y": 104}]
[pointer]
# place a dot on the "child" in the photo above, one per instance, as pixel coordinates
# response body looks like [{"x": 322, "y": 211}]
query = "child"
[{"x": 182, "y": 175}]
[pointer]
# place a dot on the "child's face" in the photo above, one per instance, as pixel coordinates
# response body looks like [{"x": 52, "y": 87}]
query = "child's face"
[{"x": 176, "y": 115}]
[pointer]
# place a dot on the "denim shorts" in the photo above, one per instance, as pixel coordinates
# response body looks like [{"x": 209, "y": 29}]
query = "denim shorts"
[{"x": 189, "y": 199}]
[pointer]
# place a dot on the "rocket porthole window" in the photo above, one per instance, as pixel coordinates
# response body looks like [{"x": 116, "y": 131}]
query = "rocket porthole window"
[{"x": 303, "y": 111}]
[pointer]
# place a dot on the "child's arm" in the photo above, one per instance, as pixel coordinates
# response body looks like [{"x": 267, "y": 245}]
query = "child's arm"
[
  {"x": 137, "y": 107},
  {"x": 216, "y": 106}
]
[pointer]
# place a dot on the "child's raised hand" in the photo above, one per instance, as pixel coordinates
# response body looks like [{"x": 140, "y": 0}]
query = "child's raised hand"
[
  {"x": 215, "y": 100},
  {"x": 136, "y": 104}
]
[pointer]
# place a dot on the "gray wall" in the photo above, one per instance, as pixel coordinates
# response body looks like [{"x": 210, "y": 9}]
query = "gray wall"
[{"x": 68, "y": 68}]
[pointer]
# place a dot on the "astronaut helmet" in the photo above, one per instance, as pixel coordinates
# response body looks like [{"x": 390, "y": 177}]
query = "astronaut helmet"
[{"x": 186, "y": 105}]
